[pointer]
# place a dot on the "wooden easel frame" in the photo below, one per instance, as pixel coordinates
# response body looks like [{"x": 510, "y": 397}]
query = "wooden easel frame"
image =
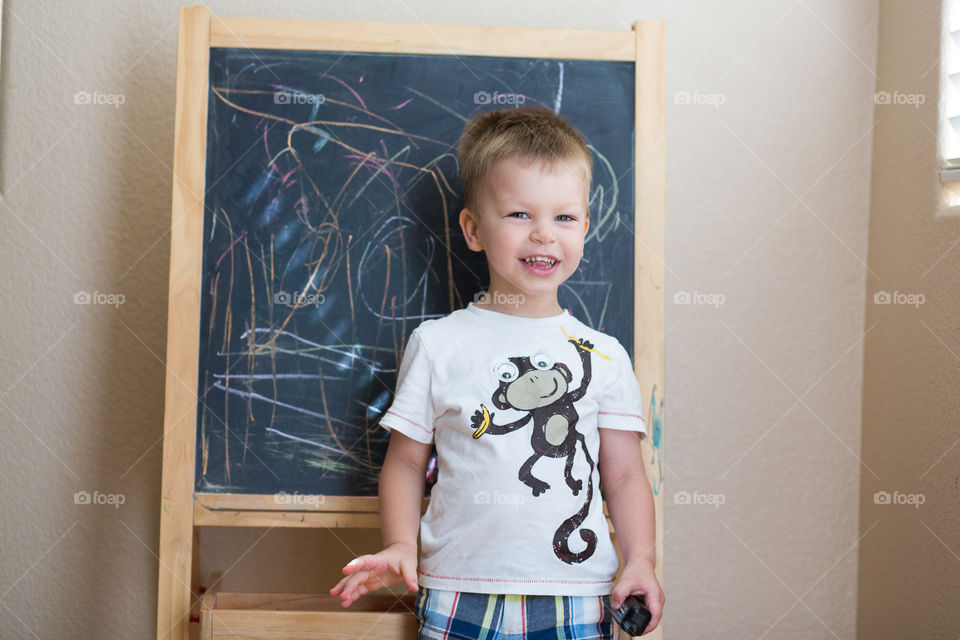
[{"x": 183, "y": 511}]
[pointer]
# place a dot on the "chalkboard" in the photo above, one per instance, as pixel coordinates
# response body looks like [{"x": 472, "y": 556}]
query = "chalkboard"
[{"x": 330, "y": 233}]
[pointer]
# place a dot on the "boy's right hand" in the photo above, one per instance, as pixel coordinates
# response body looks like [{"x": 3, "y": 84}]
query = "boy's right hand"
[{"x": 375, "y": 571}]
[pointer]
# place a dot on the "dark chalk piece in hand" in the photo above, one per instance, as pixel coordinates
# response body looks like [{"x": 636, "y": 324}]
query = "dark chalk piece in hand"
[{"x": 632, "y": 616}]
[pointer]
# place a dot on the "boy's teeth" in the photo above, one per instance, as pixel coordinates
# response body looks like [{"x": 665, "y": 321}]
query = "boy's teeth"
[{"x": 540, "y": 261}]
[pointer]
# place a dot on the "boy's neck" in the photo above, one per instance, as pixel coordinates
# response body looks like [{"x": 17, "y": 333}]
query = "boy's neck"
[{"x": 524, "y": 306}]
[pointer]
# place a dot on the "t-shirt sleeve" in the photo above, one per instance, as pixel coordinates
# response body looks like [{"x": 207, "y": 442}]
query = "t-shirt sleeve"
[
  {"x": 411, "y": 412},
  {"x": 621, "y": 405}
]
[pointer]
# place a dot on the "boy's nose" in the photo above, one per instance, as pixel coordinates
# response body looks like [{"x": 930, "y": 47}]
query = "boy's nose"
[{"x": 542, "y": 233}]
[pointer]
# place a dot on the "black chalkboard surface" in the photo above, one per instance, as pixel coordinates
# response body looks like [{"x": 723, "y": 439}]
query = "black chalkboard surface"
[{"x": 330, "y": 233}]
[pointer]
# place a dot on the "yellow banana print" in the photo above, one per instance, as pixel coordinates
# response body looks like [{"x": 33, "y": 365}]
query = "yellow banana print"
[{"x": 483, "y": 425}]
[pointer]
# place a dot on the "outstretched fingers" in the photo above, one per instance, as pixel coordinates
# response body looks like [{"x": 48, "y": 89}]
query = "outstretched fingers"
[
  {"x": 363, "y": 574},
  {"x": 351, "y": 588}
]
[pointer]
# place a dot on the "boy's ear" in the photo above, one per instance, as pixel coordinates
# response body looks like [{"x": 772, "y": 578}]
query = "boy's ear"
[
  {"x": 468, "y": 223},
  {"x": 587, "y": 228}
]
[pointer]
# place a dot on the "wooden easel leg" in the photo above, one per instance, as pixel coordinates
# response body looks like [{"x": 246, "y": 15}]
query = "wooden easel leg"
[
  {"x": 208, "y": 604},
  {"x": 650, "y": 181},
  {"x": 196, "y": 585},
  {"x": 174, "y": 594}
]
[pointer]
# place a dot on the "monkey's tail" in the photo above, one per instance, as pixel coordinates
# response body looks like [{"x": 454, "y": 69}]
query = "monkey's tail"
[{"x": 561, "y": 539}]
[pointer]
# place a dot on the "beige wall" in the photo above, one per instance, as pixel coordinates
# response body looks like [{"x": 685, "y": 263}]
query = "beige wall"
[
  {"x": 768, "y": 193},
  {"x": 909, "y": 574}
]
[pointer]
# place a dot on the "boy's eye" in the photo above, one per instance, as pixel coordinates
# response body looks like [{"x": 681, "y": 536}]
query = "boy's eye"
[
  {"x": 565, "y": 218},
  {"x": 519, "y": 213}
]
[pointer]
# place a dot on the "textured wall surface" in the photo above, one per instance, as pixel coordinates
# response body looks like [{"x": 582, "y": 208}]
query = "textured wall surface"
[
  {"x": 770, "y": 121},
  {"x": 909, "y": 573}
]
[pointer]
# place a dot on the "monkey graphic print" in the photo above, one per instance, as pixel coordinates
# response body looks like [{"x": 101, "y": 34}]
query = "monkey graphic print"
[
  {"x": 514, "y": 407},
  {"x": 540, "y": 386}
]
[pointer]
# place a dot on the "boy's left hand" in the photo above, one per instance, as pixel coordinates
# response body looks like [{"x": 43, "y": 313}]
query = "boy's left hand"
[
  {"x": 581, "y": 343},
  {"x": 640, "y": 579}
]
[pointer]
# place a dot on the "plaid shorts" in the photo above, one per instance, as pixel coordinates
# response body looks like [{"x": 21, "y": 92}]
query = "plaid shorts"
[{"x": 459, "y": 615}]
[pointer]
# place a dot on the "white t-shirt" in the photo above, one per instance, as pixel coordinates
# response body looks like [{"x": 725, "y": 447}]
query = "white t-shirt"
[{"x": 492, "y": 525}]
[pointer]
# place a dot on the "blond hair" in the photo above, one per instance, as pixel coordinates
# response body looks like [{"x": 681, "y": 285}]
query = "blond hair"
[{"x": 531, "y": 133}]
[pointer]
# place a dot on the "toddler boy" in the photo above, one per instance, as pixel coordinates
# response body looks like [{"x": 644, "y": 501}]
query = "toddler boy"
[{"x": 529, "y": 409}]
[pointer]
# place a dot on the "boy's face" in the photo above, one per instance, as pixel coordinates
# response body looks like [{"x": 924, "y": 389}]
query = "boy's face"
[{"x": 531, "y": 222}]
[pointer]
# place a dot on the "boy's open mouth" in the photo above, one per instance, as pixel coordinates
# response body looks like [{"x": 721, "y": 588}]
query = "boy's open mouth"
[{"x": 540, "y": 264}]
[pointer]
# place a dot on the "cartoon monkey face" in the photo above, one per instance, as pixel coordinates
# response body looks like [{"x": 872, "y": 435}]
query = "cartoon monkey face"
[{"x": 527, "y": 383}]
